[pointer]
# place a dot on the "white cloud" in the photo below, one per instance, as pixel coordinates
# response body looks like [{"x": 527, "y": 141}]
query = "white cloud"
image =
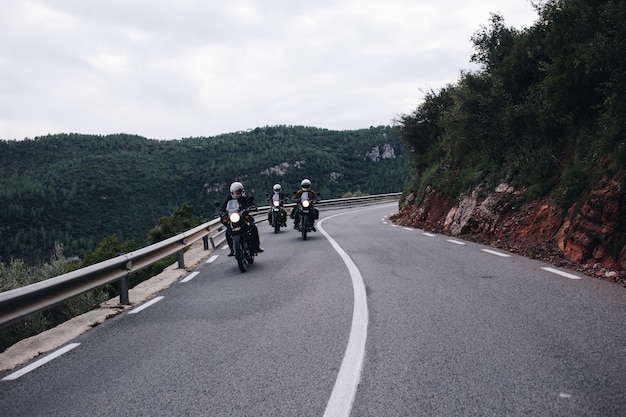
[{"x": 170, "y": 69}]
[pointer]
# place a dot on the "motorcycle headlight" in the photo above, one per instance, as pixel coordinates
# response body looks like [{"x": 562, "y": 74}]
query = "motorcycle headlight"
[
  {"x": 306, "y": 203},
  {"x": 276, "y": 203},
  {"x": 234, "y": 217}
]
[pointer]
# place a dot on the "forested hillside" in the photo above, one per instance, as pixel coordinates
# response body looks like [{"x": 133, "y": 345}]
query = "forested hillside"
[
  {"x": 78, "y": 189},
  {"x": 535, "y": 137}
]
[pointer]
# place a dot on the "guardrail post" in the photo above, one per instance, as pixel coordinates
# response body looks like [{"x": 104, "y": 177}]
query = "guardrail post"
[
  {"x": 123, "y": 282},
  {"x": 181, "y": 259},
  {"x": 205, "y": 240},
  {"x": 212, "y": 243}
]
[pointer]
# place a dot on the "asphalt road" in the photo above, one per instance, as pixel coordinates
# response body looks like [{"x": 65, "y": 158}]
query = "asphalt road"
[{"x": 451, "y": 330}]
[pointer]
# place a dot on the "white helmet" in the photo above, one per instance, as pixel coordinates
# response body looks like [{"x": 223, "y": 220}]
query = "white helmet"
[
  {"x": 277, "y": 188},
  {"x": 305, "y": 184},
  {"x": 236, "y": 189}
]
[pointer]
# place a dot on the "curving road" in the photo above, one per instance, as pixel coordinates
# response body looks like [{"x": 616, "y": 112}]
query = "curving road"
[{"x": 443, "y": 328}]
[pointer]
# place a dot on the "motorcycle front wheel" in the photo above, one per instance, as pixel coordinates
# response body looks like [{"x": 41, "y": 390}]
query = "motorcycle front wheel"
[
  {"x": 304, "y": 225},
  {"x": 276, "y": 221},
  {"x": 240, "y": 255}
]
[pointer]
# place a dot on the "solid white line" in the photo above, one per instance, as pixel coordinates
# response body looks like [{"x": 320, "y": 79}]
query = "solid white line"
[
  {"x": 40, "y": 362},
  {"x": 563, "y": 274},
  {"x": 493, "y": 252},
  {"x": 146, "y": 305},
  {"x": 211, "y": 259},
  {"x": 190, "y": 277},
  {"x": 455, "y": 241},
  {"x": 428, "y": 234},
  {"x": 344, "y": 391}
]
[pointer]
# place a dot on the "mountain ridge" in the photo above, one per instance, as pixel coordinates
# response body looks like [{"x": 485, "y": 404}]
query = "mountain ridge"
[{"x": 77, "y": 189}]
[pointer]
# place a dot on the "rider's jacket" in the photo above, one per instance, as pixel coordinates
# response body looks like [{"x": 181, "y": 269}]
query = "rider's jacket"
[
  {"x": 274, "y": 196},
  {"x": 244, "y": 202},
  {"x": 312, "y": 195}
]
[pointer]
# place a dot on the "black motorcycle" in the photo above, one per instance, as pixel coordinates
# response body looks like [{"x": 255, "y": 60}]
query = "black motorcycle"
[
  {"x": 277, "y": 214},
  {"x": 307, "y": 213},
  {"x": 238, "y": 221}
]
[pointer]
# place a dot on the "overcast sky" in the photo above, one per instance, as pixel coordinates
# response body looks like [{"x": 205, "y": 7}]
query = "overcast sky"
[{"x": 169, "y": 69}]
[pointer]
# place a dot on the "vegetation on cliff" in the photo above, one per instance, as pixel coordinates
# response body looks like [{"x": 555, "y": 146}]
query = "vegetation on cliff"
[{"x": 544, "y": 113}]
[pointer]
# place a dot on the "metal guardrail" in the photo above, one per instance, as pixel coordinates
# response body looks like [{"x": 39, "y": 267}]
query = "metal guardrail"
[
  {"x": 21, "y": 302},
  {"x": 344, "y": 202}
]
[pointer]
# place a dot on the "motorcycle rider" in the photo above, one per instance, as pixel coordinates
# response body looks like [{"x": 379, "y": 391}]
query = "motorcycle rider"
[
  {"x": 238, "y": 193},
  {"x": 305, "y": 186},
  {"x": 277, "y": 194}
]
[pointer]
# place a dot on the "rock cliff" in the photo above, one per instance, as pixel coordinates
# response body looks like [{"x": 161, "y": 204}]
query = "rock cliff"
[{"x": 590, "y": 236}]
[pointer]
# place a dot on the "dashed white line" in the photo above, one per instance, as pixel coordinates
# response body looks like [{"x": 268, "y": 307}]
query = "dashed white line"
[
  {"x": 493, "y": 252},
  {"x": 457, "y": 242},
  {"x": 190, "y": 277},
  {"x": 40, "y": 362},
  {"x": 563, "y": 274},
  {"x": 408, "y": 228},
  {"x": 146, "y": 305},
  {"x": 212, "y": 259},
  {"x": 428, "y": 234}
]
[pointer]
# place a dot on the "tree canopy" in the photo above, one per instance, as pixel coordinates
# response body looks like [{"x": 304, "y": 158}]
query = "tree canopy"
[
  {"x": 79, "y": 189},
  {"x": 545, "y": 109}
]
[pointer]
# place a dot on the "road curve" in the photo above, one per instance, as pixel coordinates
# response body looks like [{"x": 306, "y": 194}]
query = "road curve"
[{"x": 449, "y": 328}]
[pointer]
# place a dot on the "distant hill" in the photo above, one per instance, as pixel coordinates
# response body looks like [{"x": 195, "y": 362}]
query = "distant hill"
[{"x": 77, "y": 189}]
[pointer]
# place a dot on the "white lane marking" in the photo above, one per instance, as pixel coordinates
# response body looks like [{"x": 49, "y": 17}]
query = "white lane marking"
[
  {"x": 190, "y": 277},
  {"x": 212, "y": 259},
  {"x": 561, "y": 273},
  {"x": 428, "y": 234},
  {"x": 40, "y": 362},
  {"x": 225, "y": 247},
  {"x": 493, "y": 252},
  {"x": 564, "y": 395},
  {"x": 457, "y": 242},
  {"x": 408, "y": 228},
  {"x": 146, "y": 305},
  {"x": 344, "y": 391}
]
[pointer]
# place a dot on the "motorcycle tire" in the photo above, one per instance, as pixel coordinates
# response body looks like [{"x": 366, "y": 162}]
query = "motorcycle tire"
[
  {"x": 276, "y": 222},
  {"x": 240, "y": 255},
  {"x": 304, "y": 225},
  {"x": 247, "y": 252}
]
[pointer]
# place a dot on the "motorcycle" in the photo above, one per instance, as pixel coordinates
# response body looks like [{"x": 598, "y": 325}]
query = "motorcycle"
[
  {"x": 277, "y": 213},
  {"x": 238, "y": 221},
  {"x": 307, "y": 213}
]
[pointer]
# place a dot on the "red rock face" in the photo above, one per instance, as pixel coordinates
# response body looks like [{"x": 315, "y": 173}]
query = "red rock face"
[
  {"x": 596, "y": 233},
  {"x": 592, "y": 232}
]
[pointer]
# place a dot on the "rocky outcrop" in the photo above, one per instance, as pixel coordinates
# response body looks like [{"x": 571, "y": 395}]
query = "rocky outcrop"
[
  {"x": 590, "y": 236},
  {"x": 595, "y": 233}
]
